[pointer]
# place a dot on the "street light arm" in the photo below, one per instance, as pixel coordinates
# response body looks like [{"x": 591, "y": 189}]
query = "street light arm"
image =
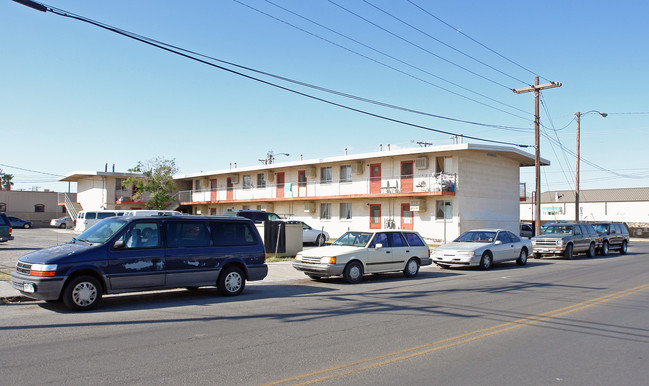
[{"x": 32, "y": 4}]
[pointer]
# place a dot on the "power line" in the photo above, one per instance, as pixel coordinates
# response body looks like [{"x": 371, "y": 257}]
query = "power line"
[
  {"x": 420, "y": 47},
  {"x": 31, "y": 171},
  {"x": 165, "y": 47},
  {"x": 475, "y": 41}
]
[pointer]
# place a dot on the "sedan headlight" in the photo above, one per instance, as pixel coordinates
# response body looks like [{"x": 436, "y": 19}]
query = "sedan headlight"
[
  {"x": 328, "y": 260},
  {"x": 298, "y": 257},
  {"x": 466, "y": 253}
]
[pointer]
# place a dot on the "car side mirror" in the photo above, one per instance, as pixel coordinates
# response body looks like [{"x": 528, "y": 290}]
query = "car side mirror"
[
  {"x": 378, "y": 246},
  {"x": 498, "y": 242},
  {"x": 119, "y": 244}
]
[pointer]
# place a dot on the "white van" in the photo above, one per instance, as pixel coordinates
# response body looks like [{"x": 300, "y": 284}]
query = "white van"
[
  {"x": 152, "y": 212},
  {"x": 86, "y": 219}
]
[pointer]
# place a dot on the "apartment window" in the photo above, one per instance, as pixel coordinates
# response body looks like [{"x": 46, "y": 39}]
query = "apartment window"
[
  {"x": 118, "y": 183},
  {"x": 301, "y": 179},
  {"x": 443, "y": 164},
  {"x": 325, "y": 211},
  {"x": 39, "y": 208},
  {"x": 346, "y": 173},
  {"x": 3, "y": 207},
  {"x": 325, "y": 175},
  {"x": 443, "y": 207},
  {"x": 345, "y": 210},
  {"x": 261, "y": 180},
  {"x": 247, "y": 182},
  {"x": 197, "y": 184}
]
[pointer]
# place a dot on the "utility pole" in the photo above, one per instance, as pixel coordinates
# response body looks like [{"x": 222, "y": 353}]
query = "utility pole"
[
  {"x": 578, "y": 114},
  {"x": 537, "y": 142}
]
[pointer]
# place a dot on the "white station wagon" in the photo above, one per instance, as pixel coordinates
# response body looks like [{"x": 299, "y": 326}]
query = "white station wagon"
[{"x": 356, "y": 253}]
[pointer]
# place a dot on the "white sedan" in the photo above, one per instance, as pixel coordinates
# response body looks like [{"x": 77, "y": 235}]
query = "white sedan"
[
  {"x": 311, "y": 235},
  {"x": 482, "y": 248}
]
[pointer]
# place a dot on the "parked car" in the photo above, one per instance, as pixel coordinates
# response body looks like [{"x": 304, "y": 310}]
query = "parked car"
[
  {"x": 125, "y": 254},
  {"x": 258, "y": 216},
  {"x": 526, "y": 230},
  {"x": 18, "y": 223},
  {"x": 310, "y": 235},
  {"x": 482, "y": 248},
  {"x": 62, "y": 222},
  {"x": 566, "y": 239},
  {"x": 5, "y": 228},
  {"x": 86, "y": 219},
  {"x": 357, "y": 253},
  {"x": 614, "y": 235}
]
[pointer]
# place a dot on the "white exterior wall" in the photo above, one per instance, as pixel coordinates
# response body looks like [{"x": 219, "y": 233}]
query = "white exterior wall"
[
  {"x": 91, "y": 193},
  {"x": 488, "y": 193},
  {"x": 591, "y": 211}
]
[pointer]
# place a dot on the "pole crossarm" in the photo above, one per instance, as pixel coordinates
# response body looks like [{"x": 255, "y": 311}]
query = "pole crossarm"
[{"x": 536, "y": 87}]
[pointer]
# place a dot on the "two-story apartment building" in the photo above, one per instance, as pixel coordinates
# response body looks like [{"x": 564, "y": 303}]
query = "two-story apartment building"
[{"x": 439, "y": 191}]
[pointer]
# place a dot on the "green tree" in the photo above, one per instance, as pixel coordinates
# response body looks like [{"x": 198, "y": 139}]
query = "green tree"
[
  {"x": 5, "y": 180},
  {"x": 157, "y": 180}
]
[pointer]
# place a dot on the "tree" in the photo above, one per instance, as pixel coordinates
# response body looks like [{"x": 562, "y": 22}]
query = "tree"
[
  {"x": 5, "y": 180},
  {"x": 157, "y": 180}
]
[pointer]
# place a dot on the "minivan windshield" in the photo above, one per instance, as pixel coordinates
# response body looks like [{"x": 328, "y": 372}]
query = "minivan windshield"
[
  {"x": 102, "y": 231},
  {"x": 354, "y": 239}
]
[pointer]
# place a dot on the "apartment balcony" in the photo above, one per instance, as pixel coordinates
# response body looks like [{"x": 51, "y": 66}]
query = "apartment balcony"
[
  {"x": 417, "y": 185},
  {"x": 126, "y": 197}
]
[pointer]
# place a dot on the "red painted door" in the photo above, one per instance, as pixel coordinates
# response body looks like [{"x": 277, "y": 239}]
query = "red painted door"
[
  {"x": 230, "y": 189},
  {"x": 279, "y": 189},
  {"x": 375, "y": 178},
  {"x": 213, "y": 190},
  {"x": 406, "y": 217},
  {"x": 375, "y": 216},
  {"x": 406, "y": 176},
  {"x": 212, "y": 211}
]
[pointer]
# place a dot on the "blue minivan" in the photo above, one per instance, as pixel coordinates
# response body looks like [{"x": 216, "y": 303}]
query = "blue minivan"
[{"x": 126, "y": 254}]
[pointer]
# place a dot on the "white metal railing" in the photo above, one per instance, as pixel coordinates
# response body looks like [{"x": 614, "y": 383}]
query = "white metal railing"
[{"x": 315, "y": 188}]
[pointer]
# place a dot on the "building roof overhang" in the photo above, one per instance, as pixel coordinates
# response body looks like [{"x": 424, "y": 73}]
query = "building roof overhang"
[{"x": 80, "y": 175}]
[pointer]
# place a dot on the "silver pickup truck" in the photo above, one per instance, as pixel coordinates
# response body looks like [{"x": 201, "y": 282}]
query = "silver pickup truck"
[{"x": 566, "y": 239}]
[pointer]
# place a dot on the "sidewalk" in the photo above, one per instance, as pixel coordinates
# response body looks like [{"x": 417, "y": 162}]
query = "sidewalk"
[{"x": 277, "y": 272}]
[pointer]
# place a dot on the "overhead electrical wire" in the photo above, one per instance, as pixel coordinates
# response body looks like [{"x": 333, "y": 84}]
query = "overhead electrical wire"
[
  {"x": 31, "y": 171},
  {"x": 389, "y": 56},
  {"x": 420, "y": 47},
  {"x": 168, "y": 48},
  {"x": 475, "y": 41},
  {"x": 565, "y": 158},
  {"x": 443, "y": 43}
]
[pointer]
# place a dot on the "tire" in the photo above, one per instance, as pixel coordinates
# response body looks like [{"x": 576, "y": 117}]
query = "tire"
[
  {"x": 536, "y": 255},
  {"x": 353, "y": 272},
  {"x": 26, "y": 226},
  {"x": 231, "y": 281},
  {"x": 62, "y": 226},
  {"x": 522, "y": 257},
  {"x": 82, "y": 293},
  {"x": 485, "y": 261},
  {"x": 320, "y": 240},
  {"x": 623, "y": 248},
  {"x": 412, "y": 268},
  {"x": 568, "y": 252},
  {"x": 604, "y": 249},
  {"x": 591, "y": 250}
]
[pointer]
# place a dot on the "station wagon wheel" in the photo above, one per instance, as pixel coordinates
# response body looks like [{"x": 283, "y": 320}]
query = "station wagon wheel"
[
  {"x": 522, "y": 258},
  {"x": 353, "y": 272},
  {"x": 412, "y": 268},
  {"x": 604, "y": 250},
  {"x": 486, "y": 260},
  {"x": 82, "y": 293},
  {"x": 623, "y": 248},
  {"x": 231, "y": 281},
  {"x": 591, "y": 250},
  {"x": 568, "y": 252},
  {"x": 320, "y": 240}
]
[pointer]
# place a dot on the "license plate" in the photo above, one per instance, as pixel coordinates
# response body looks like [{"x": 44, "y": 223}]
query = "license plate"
[{"x": 28, "y": 287}]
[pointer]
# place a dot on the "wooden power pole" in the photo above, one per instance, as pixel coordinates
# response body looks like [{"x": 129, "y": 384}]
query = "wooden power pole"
[{"x": 537, "y": 143}]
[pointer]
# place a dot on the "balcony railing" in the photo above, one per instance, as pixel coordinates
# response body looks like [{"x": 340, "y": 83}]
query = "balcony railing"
[
  {"x": 440, "y": 182},
  {"x": 126, "y": 195}
]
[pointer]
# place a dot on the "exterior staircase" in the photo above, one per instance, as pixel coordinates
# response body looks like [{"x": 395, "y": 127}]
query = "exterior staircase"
[{"x": 73, "y": 208}]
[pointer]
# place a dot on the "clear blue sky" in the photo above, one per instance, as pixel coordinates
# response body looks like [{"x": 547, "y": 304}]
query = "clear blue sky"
[{"x": 75, "y": 97}]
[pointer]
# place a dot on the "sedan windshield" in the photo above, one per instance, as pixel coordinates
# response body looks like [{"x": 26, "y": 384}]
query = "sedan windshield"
[
  {"x": 476, "y": 237},
  {"x": 354, "y": 239},
  {"x": 102, "y": 231}
]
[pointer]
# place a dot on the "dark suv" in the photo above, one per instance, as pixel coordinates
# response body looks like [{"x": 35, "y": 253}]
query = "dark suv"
[
  {"x": 258, "y": 216},
  {"x": 614, "y": 236},
  {"x": 5, "y": 228}
]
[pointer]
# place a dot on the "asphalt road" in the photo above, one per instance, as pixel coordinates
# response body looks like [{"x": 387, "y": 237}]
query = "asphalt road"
[{"x": 552, "y": 322}]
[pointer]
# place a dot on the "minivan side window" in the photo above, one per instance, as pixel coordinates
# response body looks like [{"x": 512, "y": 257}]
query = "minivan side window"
[
  {"x": 103, "y": 215},
  {"x": 187, "y": 234},
  {"x": 91, "y": 215},
  {"x": 142, "y": 235},
  {"x": 225, "y": 233}
]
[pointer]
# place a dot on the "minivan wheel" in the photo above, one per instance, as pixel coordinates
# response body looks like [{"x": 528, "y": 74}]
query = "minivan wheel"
[
  {"x": 604, "y": 250},
  {"x": 353, "y": 272},
  {"x": 412, "y": 268},
  {"x": 522, "y": 258},
  {"x": 231, "y": 281},
  {"x": 82, "y": 293},
  {"x": 623, "y": 248}
]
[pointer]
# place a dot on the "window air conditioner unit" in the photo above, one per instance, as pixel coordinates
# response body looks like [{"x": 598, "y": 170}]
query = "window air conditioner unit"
[
  {"x": 421, "y": 163},
  {"x": 418, "y": 205},
  {"x": 234, "y": 179},
  {"x": 310, "y": 172},
  {"x": 357, "y": 168},
  {"x": 309, "y": 207}
]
